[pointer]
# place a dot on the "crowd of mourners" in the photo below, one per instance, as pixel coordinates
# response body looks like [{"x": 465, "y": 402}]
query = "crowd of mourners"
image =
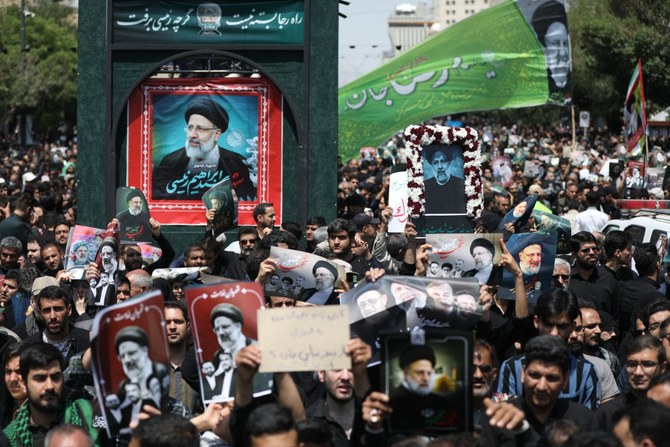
[{"x": 584, "y": 365}]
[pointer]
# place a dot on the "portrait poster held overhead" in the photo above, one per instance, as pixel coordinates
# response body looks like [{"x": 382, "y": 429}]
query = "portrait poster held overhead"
[
  {"x": 222, "y": 199},
  {"x": 465, "y": 256},
  {"x": 398, "y": 202},
  {"x": 303, "y": 276},
  {"x": 635, "y": 175},
  {"x": 133, "y": 215},
  {"x": 187, "y": 273},
  {"x": 502, "y": 170},
  {"x": 82, "y": 246},
  {"x": 373, "y": 310},
  {"x": 547, "y": 223},
  {"x": 535, "y": 253},
  {"x": 427, "y": 377},
  {"x": 103, "y": 288},
  {"x": 223, "y": 322},
  {"x": 443, "y": 178},
  {"x": 397, "y": 303},
  {"x": 187, "y": 135},
  {"x": 520, "y": 214},
  {"x": 130, "y": 359}
]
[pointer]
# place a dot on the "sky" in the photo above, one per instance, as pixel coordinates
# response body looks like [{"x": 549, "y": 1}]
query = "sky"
[{"x": 364, "y": 27}]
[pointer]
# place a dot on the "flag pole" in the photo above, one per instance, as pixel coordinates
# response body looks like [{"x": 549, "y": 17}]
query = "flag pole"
[{"x": 574, "y": 132}]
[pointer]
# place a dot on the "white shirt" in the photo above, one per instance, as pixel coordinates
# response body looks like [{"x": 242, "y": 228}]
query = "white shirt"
[{"x": 590, "y": 220}]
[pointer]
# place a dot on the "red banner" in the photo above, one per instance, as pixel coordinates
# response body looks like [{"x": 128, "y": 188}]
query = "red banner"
[{"x": 186, "y": 135}]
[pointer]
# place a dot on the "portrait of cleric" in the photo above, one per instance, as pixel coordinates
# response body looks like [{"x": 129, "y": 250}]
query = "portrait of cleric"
[
  {"x": 146, "y": 382},
  {"x": 549, "y": 21},
  {"x": 217, "y": 377},
  {"x": 186, "y": 173},
  {"x": 373, "y": 310},
  {"x": 483, "y": 251},
  {"x": 221, "y": 205},
  {"x": 422, "y": 381},
  {"x": 133, "y": 215},
  {"x": 325, "y": 274},
  {"x": 443, "y": 179}
]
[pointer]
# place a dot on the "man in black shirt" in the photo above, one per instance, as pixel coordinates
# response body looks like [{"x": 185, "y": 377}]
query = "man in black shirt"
[{"x": 589, "y": 280}]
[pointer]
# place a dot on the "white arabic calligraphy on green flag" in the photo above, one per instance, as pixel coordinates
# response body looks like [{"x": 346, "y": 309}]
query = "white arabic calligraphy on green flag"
[{"x": 492, "y": 60}]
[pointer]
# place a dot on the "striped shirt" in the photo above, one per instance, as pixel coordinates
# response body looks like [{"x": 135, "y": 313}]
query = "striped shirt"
[{"x": 583, "y": 386}]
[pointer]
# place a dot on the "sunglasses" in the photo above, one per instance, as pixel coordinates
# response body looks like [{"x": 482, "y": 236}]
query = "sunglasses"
[{"x": 483, "y": 368}]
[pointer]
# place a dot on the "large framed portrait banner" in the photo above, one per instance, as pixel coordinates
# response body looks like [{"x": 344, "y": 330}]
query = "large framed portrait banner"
[
  {"x": 187, "y": 135},
  {"x": 444, "y": 183}
]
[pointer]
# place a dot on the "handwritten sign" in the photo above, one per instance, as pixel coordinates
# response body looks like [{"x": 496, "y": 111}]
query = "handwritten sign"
[
  {"x": 303, "y": 338},
  {"x": 398, "y": 202}
]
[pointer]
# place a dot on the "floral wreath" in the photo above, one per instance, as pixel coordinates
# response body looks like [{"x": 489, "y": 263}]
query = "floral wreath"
[{"x": 416, "y": 137}]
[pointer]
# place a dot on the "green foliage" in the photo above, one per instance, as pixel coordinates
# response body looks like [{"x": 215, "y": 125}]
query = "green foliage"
[
  {"x": 41, "y": 81},
  {"x": 608, "y": 37}
]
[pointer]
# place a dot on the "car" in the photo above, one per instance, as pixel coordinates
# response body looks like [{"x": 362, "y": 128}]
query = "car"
[{"x": 647, "y": 225}]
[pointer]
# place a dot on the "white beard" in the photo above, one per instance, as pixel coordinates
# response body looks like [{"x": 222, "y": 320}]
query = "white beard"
[
  {"x": 199, "y": 153},
  {"x": 134, "y": 212},
  {"x": 415, "y": 388},
  {"x": 530, "y": 270}
]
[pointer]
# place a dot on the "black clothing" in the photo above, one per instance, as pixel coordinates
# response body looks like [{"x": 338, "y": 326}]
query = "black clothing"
[
  {"x": 623, "y": 274},
  {"x": 433, "y": 413},
  {"x": 167, "y": 255},
  {"x": 230, "y": 265},
  {"x": 318, "y": 410},
  {"x": 173, "y": 180},
  {"x": 601, "y": 287},
  {"x": 18, "y": 227},
  {"x": 79, "y": 341},
  {"x": 134, "y": 228},
  {"x": 491, "y": 220},
  {"x": 635, "y": 296},
  {"x": 7, "y": 315},
  {"x": 564, "y": 409},
  {"x": 448, "y": 198},
  {"x": 605, "y": 413}
]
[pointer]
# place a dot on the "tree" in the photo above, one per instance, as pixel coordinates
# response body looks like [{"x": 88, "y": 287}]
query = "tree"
[
  {"x": 42, "y": 80},
  {"x": 608, "y": 37}
]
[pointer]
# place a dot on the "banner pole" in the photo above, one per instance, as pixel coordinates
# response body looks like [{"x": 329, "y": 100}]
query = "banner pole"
[{"x": 574, "y": 131}]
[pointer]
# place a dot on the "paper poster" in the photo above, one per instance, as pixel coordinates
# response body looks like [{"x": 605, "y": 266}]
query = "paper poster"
[
  {"x": 399, "y": 303},
  {"x": 398, "y": 202},
  {"x": 130, "y": 359},
  {"x": 535, "y": 254},
  {"x": 302, "y": 276},
  {"x": 303, "y": 338},
  {"x": 465, "y": 256},
  {"x": 223, "y": 322},
  {"x": 103, "y": 288},
  {"x": 222, "y": 198},
  {"x": 502, "y": 171},
  {"x": 547, "y": 223},
  {"x": 133, "y": 215},
  {"x": 520, "y": 214},
  {"x": 82, "y": 245}
]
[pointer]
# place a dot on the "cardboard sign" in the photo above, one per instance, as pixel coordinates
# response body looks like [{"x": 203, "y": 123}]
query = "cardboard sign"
[{"x": 303, "y": 338}]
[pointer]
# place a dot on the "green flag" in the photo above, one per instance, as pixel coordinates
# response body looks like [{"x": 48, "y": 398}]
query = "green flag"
[{"x": 493, "y": 60}]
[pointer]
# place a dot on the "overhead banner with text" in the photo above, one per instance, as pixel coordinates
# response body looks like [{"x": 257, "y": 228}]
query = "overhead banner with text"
[
  {"x": 226, "y": 21},
  {"x": 515, "y": 54}
]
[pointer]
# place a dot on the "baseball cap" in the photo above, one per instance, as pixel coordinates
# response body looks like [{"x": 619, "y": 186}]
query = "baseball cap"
[{"x": 41, "y": 283}]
